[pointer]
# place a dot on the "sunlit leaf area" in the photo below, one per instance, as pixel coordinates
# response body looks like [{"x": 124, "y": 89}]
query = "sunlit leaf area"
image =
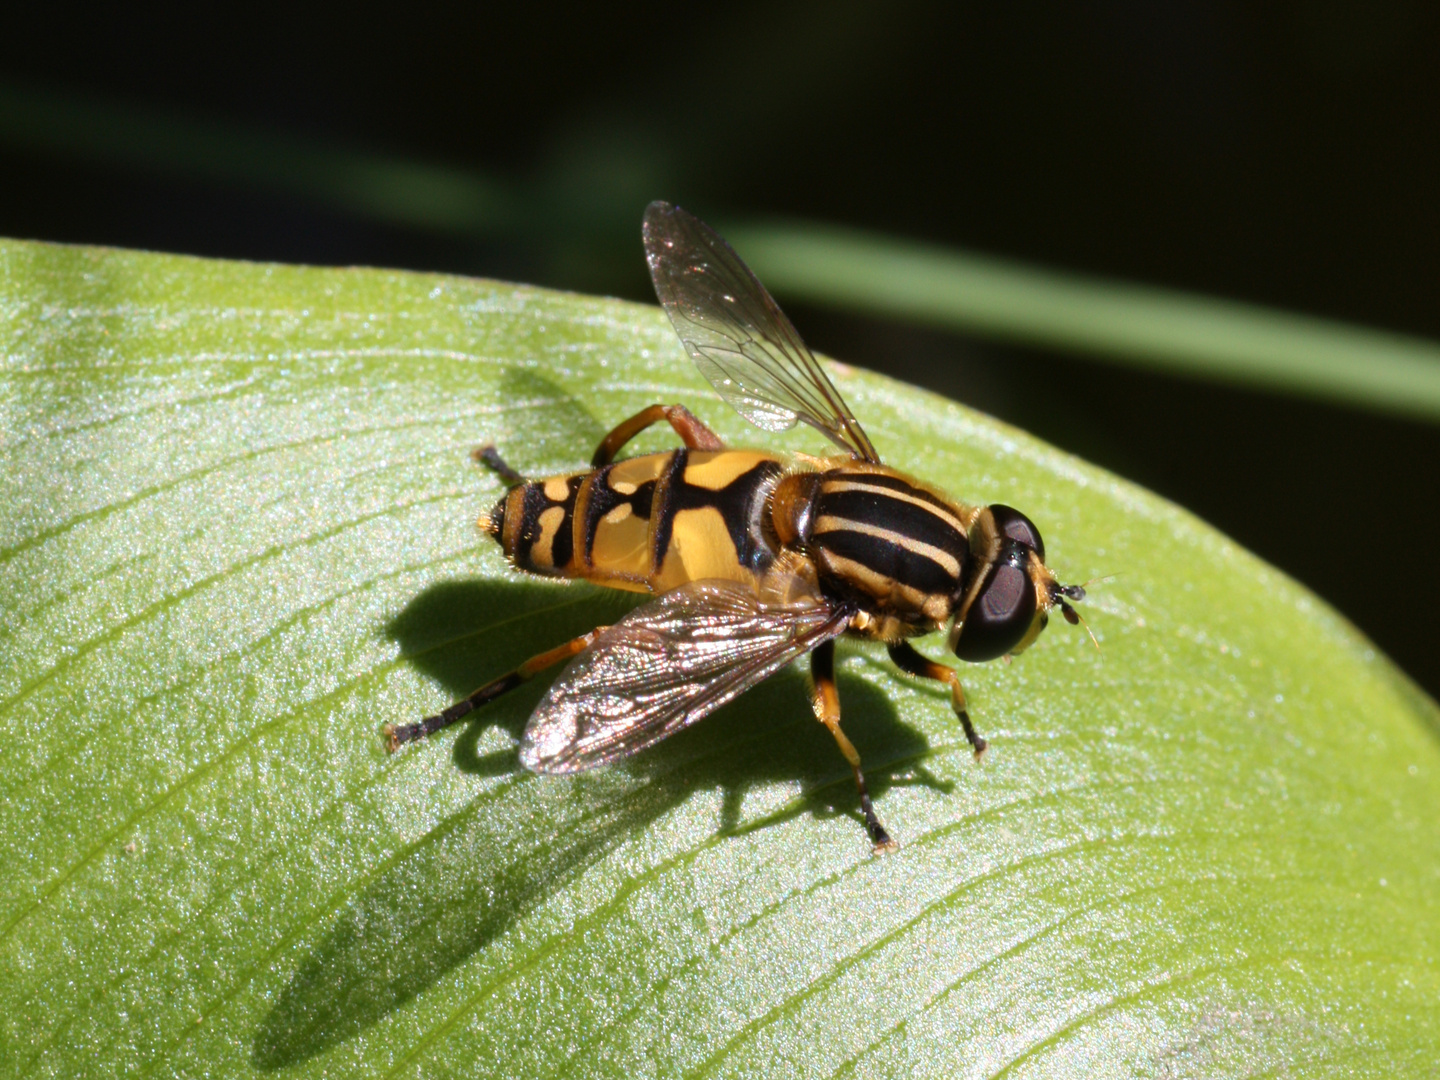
[
  {"x": 241, "y": 538},
  {"x": 1162, "y": 277}
]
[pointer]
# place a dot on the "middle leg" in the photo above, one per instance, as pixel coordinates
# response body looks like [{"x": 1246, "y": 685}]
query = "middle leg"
[
  {"x": 826, "y": 702},
  {"x": 907, "y": 659}
]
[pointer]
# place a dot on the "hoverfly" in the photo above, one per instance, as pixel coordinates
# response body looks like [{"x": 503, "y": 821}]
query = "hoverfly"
[{"x": 754, "y": 559}]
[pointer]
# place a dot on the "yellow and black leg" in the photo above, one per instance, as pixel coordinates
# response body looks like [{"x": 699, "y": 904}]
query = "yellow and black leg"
[
  {"x": 693, "y": 433},
  {"x": 826, "y": 701},
  {"x": 907, "y": 659},
  {"x": 395, "y": 737}
]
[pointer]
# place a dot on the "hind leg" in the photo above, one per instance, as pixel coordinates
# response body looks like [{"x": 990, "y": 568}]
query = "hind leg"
[
  {"x": 488, "y": 456},
  {"x": 395, "y": 737},
  {"x": 693, "y": 433}
]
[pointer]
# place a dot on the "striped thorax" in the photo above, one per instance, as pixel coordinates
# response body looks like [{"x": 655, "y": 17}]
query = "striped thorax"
[{"x": 896, "y": 548}]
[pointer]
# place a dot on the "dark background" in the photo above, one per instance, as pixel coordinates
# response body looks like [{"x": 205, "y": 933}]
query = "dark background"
[{"x": 1284, "y": 154}]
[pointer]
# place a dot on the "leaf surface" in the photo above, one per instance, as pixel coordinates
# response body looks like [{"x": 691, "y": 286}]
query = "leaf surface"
[{"x": 239, "y": 536}]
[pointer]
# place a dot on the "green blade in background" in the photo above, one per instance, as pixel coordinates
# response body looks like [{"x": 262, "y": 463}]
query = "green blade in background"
[
  {"x": 1156, "y": 329},
  {"x": 239, "y": 536},
  {"x": 1119, "y": 322}
]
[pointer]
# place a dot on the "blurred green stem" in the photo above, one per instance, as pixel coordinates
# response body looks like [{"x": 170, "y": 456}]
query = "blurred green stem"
[
  {"x": 1139, "y": 325},
  {"x": 1148, "y": 328}
]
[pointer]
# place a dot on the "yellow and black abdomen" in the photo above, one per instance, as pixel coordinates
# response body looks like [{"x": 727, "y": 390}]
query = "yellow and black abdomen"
[{"x": 648, "y": 524}]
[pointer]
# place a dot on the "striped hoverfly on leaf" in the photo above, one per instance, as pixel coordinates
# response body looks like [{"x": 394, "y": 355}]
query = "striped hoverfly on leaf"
[{"x": 754, "y": 559}]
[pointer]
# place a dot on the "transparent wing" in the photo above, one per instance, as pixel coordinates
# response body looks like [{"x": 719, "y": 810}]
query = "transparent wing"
[
  {"x": 664, "y": 666},
  {"x": 737, "y": 334}
]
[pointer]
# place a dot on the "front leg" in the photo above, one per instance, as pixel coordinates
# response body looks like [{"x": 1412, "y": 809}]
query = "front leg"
[
  {"x": 907, "y": 659},
  {"x": 693, "y": 433}
]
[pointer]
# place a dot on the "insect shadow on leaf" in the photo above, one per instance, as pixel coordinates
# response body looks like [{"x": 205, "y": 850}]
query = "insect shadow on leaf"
[
  {"x": 535, "y": 409},
  {"x": 454, "y": 631},
  {"x": 452, "y": 892}
]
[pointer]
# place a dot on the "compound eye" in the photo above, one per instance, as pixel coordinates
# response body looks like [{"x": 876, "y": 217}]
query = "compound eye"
[
  {"x": 1017, "y": 526},
  {"x": 1001, "y": 614}
]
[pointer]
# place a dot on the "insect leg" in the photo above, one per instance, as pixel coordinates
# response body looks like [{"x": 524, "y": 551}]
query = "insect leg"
[
  {"x": 826, "y": 701},
  {"x": 396, "y": 736},
  {"x": 693, "y": 433},
  {"x": 907, "y": 659},
  {"x": 487, "y": 455}
]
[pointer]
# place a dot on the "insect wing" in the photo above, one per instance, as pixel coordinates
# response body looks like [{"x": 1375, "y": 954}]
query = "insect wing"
[
  {"x": 666, "y": 665},
  {"x": 738, "y": 336}
]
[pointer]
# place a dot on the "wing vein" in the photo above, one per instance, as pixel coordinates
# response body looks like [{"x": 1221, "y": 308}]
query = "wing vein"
[
  {"x": 666, "y": 665},
  {"x": 737, "y": 335}
]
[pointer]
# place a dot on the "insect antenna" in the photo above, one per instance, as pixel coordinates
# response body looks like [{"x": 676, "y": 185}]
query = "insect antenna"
[
  {"x": 1062, "y": 593},
  {"x": 1073, "y": 617},
  {"x": 1077, "y": 592}
]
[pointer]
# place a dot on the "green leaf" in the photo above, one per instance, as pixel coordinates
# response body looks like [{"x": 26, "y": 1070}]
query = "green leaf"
[{"x": 239, "y": 537}]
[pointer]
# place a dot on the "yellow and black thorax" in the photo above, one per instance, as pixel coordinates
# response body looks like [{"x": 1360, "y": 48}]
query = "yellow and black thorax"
[{"x": 886, "y": 543}]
